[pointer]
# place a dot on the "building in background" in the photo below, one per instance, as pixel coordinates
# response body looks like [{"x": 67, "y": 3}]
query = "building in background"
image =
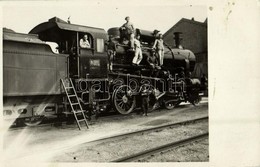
[{"x": 195, "y": 38}]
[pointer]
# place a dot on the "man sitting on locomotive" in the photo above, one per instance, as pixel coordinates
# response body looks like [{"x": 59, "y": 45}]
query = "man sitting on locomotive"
[
  {"x": 84, "y": 43},
  {"x": 153, "y": 63},
  {"x": 159, "y": 48},
  {"x": 129, "y": 30},
  {"x": 138, "y": 51}
]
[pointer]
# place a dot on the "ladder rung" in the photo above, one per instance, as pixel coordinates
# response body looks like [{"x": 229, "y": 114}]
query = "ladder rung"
[
  {"x": 79, "y": 111},
  {"x": 79, "y": 120}
]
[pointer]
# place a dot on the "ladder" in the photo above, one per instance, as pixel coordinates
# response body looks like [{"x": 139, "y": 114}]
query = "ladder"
[{"x": 74, "y": 102}]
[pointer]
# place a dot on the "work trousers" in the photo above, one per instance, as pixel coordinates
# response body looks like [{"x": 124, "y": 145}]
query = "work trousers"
[
  {"x": 111, "y": 55},
  {"x": 160, "y": 54},
  {"x": 138, "y": 56},
  {"x": 131, "y": 39},
  {"x": 145, "y": 104}
]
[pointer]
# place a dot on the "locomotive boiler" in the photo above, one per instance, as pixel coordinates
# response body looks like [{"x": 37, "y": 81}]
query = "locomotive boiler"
[{"x": 174, "y": 58}]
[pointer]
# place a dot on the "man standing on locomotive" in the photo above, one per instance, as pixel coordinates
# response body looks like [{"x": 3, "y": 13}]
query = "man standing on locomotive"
[
  {"x": 111, "y": 51},
  {"x": 159, "y": 48},
  {"x": 128, "y": 27},
  {"x": 153, "y": 63},
  {"x": 138, "y": 51}
]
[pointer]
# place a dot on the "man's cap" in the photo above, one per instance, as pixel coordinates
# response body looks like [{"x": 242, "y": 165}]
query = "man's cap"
[
  {"x": 127, "y": 17},
  {"x": 155, "y": 32}
]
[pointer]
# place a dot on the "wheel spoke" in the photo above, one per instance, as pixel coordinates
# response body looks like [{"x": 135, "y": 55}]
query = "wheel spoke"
[
  {"x": 123, "y": 106},
  {"x": 118, "y": 100},
  {"x": 119, "y": 95},
  {"x": 128, "y": 106},
  {"x": 130, "y": 102},
  {"x": 120, "y": 104}
]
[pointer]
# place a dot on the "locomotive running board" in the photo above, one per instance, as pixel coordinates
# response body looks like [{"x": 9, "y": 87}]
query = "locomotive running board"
[{"x": 74, "y": 102}]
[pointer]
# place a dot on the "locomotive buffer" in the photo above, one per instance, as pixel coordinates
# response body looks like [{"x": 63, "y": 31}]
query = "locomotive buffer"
[{"x": 74, "y": 103}]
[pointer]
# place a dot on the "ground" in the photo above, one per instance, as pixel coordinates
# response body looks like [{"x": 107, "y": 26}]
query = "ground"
[{"x": 43, "y": 143}]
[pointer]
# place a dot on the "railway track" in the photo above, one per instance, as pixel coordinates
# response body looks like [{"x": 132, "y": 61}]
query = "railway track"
[
  {"x": 148, "y": 130},
  {"x": 152, "y": 151},
  {"x": 107, "y": 139},
  {"x": 125, "y": 140}
]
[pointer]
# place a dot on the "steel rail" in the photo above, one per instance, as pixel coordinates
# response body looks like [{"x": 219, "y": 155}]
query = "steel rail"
[
  {"x": 147, "y": 130},
  {"x": 158, "y": 149},
  {"x": 122, "y": 135}
]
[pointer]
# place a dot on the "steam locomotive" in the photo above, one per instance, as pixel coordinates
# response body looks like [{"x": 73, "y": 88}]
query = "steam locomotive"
[{"x": 35, "y": 63}]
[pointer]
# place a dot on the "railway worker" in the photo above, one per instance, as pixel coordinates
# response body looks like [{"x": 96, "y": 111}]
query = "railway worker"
[
  {"x": 111, "y": 51},
  {"x": 129, "y": 29},
  {"x": 204, "y": 84},
  {"x": 145, "y": 101},
  {"x": 138, "y": 51},
  {"x": 153, "y": 63},
  {"x": 159, "y": 48},
  {"x": 84, "y": 43}
]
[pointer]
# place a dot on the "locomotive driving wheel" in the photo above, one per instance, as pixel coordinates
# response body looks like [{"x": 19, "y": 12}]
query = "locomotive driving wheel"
[
  {"x": 194, "y": 97},
  {"x": 170, "y": 104},
  {"x": 123, "y": 100},
  {"x": 195, "y": 101},
  {"x": 33, "y": 121}
]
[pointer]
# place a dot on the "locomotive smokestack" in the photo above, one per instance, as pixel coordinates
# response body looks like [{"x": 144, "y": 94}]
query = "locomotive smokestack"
[{"x": 177, "y": 39}]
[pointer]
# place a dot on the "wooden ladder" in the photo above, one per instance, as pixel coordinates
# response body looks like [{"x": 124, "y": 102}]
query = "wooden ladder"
[{"x": 74, "y": 102}]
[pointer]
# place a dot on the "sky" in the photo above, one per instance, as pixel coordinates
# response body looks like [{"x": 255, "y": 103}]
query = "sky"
[{"x": 22, "y": 17}]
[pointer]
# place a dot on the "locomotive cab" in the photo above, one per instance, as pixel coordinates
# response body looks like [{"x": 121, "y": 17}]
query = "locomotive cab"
[
  {"x": 88, "y": 62},
  {"x": 87, "y": 66}
]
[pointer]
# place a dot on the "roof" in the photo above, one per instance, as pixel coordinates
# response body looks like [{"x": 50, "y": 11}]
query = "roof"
[
  {"x": 7, "y": 30},
  {"x": 52, "y": 24},
  {"x": 188, "y": 21},
  {"x": 13, "y": 36}
]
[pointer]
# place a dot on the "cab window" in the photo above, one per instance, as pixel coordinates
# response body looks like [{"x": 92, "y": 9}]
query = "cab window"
[
  {"x": 85, "y": 41},
  {"x": 100, "y": 45}
]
